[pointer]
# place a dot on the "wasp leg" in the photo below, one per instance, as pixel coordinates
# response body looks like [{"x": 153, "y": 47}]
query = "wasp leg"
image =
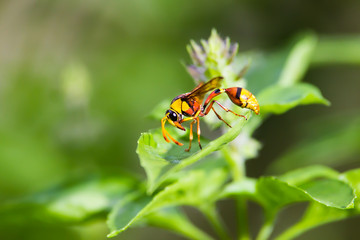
[
  {"x": 165, "y": 133},
  {"x": 198, "y": 131},
  {"x": 228, "y": 110},
  {"x": 191, "y": 135},
  {"x": 218, "y": 116},
  {"x": 195, "y": 118}
]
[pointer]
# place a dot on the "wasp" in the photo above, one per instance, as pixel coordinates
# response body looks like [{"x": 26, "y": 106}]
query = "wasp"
[{"x": 190, "y": 106}]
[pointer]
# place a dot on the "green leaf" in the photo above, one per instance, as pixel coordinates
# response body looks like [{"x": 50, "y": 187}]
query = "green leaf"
[
  {"x": 298, "y": 60},
  {"x": 169, "y": 218},
  {"x": 314, "y": 184},
  {"x": 323, "y": 191},
  {"x": 174, "y": 220},
  {"x": 160, "y": 158},
  {"x": 318, "y": 214},
  {"x": 337, "y": 50},
  {"x": 352, "y": 177},
  {"x": 322, "y": 146},
  {"x": 273, "y": 193},
  {"x": 71, "y": 203},
  {"x": 199, "y": 188},
  {"x": 307, "y": 174},
  {"x": 284, "y": 67},
  {"x": 279, "y": 99},
  {"x": 245, "y": 187},
  {"x": 126, "y": 212}
]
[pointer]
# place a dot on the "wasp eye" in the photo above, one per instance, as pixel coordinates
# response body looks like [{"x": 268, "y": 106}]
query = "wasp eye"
[{"x": 172, "y": 115}]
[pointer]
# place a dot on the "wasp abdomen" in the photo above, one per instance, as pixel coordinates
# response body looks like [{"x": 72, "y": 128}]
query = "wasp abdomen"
[{"x": 243, "y": 98}]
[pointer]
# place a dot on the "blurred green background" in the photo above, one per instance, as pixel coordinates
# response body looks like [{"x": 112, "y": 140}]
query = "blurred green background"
[{"x": 78, "y": 78}]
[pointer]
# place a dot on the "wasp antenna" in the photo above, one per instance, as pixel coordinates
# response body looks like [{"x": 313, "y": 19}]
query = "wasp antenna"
[
  {"x": 176, "y": 142},
  {"x": 163, "y": 120},
  {"x": 166, "y": 133}
]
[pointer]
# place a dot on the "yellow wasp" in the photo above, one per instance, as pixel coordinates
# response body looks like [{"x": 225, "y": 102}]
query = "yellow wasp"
[{"x": 189, "y": 106}]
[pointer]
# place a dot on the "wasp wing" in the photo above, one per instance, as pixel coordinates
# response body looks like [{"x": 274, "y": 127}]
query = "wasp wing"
[{"x": 199, "y": 92}]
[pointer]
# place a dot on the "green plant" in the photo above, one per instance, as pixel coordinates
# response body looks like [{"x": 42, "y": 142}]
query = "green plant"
[{"x": 200, "y": 178}]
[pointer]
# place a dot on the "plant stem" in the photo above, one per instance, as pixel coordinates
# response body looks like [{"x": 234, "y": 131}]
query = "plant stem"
[
  {"x": 185, "y": 228},
  {"x": 292, "y": 232},
  {"x": 237, "y": 169},
  {"x": 243, "y": 225},
  {"x": 215, "y": 220},
  {"x": 267, "y": 227}
]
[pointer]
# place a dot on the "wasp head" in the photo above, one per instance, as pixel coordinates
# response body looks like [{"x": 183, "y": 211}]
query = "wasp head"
[{"x": 174, "y": 118}]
